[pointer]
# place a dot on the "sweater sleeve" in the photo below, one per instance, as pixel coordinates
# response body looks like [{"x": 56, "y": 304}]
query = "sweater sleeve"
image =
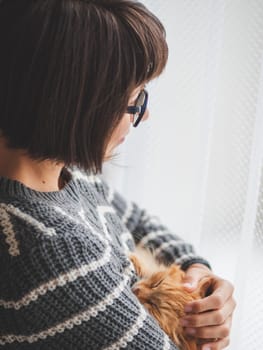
[
  {"x": 71, "y": 293},
  {"x": 149, "y": 232}
]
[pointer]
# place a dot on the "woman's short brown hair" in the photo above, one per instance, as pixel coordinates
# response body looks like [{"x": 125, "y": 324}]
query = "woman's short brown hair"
[{"x": 67, "y": 68}]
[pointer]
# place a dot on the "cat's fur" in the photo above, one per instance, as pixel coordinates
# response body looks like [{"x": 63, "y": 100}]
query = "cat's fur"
[{"x": 161, "y": 292}]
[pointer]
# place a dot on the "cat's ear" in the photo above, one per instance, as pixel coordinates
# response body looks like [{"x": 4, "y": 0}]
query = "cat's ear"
[
  {"x": 204, "y": 287},
  {"x": 176, "y": 273}
]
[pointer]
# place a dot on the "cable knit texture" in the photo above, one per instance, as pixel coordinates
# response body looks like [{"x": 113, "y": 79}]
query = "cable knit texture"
[{"x": 65, "y": 279}]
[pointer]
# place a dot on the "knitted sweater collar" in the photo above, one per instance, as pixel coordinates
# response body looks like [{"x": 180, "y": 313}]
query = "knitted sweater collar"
[{"x": 13, "y": 188}]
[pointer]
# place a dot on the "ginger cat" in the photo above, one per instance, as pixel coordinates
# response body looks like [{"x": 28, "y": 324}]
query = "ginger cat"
[{"x": 161, "y": 292}]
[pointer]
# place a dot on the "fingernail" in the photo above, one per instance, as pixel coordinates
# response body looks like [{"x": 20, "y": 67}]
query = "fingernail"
[
  {"x": 206, "y": 348},
  {"x": 190, "y": 331},
  {"x": 188, "y": 309}
]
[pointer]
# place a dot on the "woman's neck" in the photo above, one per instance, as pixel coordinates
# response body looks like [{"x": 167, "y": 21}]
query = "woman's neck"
[{"x": 43, "y": 176}]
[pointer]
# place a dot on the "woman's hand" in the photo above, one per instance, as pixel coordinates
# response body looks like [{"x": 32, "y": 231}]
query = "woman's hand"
[{"x": 209, "y": 319}]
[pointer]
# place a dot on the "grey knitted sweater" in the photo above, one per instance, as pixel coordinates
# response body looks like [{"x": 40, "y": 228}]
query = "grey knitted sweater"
[{"x": 65, "y": 279}]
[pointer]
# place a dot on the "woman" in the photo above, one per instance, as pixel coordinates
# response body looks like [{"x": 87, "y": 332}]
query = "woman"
[{"x": 73, "y": 75}]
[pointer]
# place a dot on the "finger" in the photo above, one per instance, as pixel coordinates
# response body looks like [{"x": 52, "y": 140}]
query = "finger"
[
  {"x": 190, "y": 282},
  {"x": 211, "y": 332},
  {"x": 216, "y": 345},
  {"x": 210, "y": 318},
  {"x": 222, "y": 291},
  {"x": 193, "y": 275}
]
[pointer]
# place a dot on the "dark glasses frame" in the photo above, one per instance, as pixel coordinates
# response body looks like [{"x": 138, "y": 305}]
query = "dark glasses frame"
[{"x": 139, "y": 107}]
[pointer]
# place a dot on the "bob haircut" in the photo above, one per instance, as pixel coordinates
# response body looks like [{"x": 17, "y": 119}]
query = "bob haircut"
[{"x": 67, "y": 69}]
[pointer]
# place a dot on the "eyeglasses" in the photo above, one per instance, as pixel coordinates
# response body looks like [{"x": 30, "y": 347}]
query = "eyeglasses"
[{"x": 139, "y": 107}]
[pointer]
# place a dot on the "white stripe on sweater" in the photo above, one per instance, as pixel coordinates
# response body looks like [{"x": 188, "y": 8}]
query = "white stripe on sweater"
[
  {"x": 185, "y": 257},
  {"x": 110, "y": 195},
  {"x": 29, "y": 219},
  {"x": 74, "y": 321},
  {"x": 134, "y": 330},
  {"x": 102, "y": 210},
  {"x": 125, "y": 237},
  {"x": 152, "y": 219},
  {"x": 9, "y": 232},
  {"x": 84, "y": 221},
  {"x": 131, "y": 333},
  {"x": 172, "y": 243},
  {"x": 78, "y": 175},
  {"x": 128, "y": 213},
  {"x": 152, "y": 235}
]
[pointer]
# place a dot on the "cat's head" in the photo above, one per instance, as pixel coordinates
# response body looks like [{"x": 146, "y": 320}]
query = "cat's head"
[{"x": 162, "y": 292}]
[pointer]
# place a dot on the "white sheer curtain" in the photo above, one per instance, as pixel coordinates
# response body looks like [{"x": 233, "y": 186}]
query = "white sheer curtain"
[{"x": 197, "y": 163}]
